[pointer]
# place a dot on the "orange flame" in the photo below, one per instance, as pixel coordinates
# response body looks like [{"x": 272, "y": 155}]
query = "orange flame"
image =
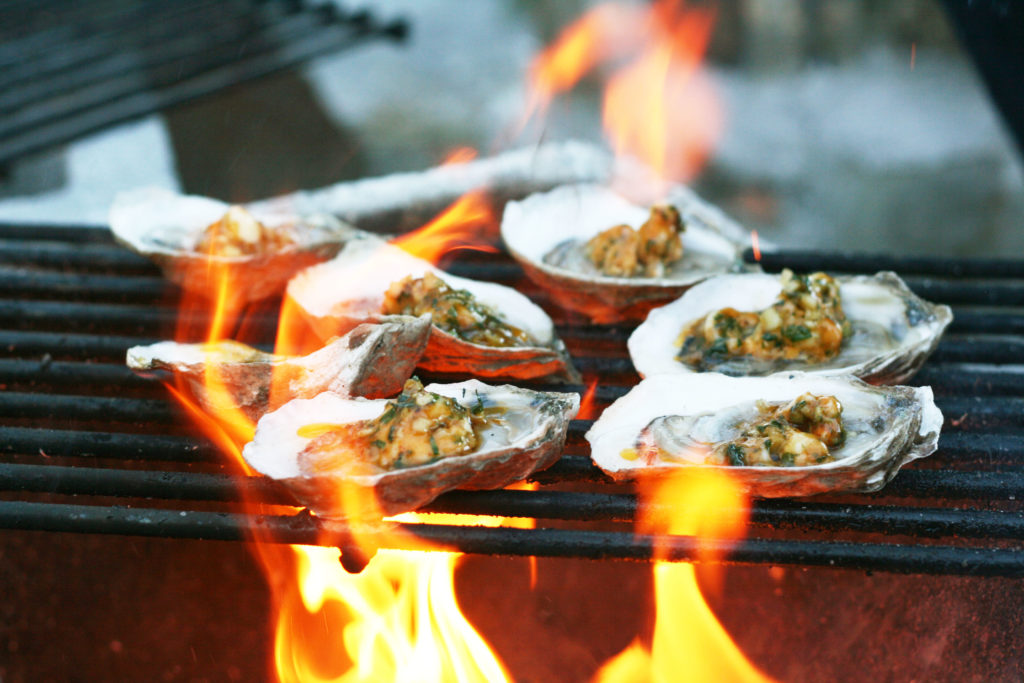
[
  {"x": 658, "y": 106},
  {"x": 459, "y": 155},
  {"x": 755, "y": 245},
  {"x": 398, "y": 619},
  {"x": 469, "y": 223},
  {"x": 588, "y": 404},
  {"x": 689, "y": 643}
]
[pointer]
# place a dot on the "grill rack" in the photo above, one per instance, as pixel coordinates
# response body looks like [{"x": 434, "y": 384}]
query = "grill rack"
[
  {"x": 69, "y": 68},
  {"x": 87, "y": 447}
]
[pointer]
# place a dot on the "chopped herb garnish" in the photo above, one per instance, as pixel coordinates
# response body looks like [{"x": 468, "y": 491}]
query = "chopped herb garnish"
[
  {"x": 796, "y": 333},
  {"x": 433, "y": 445},
  {"x": 379, "y": 444},
  {"x": 719, "y": 347},
  {"x": 735, "y": 455}
]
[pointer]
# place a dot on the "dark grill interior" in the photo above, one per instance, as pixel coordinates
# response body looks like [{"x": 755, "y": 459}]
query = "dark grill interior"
[
  {"x": 90, "y": 448},
  {"x": 71, "y": 68}
]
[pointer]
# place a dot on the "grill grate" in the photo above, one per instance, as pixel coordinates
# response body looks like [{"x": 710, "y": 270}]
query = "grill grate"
[
  {"x": 71, "y": 68},
  {"x": 87, "y": 447}
]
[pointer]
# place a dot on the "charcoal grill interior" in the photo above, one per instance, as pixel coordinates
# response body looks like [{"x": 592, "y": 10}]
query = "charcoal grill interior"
[
  {"x": 68, "y": 68},
  {"x": 88, "y": 447}
]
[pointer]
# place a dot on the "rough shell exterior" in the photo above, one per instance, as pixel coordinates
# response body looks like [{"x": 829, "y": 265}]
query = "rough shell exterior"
[
  {"x": 166, "y": 228},
  {"x": 350, "y": 289},
  {"x": 533, "y": 227},
  {"x": 918, "y": 324},
  {"x": 371, "y": 360},
  {"x": 274, "y": 451},
  {"x": 906, "y": 427}
]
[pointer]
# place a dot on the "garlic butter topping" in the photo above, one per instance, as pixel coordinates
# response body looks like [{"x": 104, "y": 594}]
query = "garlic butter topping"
[{"x": 806, "y": 322}]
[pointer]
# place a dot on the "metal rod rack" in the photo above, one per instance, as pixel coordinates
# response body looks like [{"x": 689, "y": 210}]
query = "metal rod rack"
[{"x": 78, "y": 430}]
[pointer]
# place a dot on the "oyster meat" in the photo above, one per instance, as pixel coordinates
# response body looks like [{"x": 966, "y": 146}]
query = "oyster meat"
[
  {"x": 590, "y": 248},
  {"x": 889, "y": 331},
  {"x": 256, "y": 251},
  {"x": 371, "y": 360},
  {"x": 672, "y": 421},
  {"x": 519, "y": 432},
  {"x": 481, "y": 328}
]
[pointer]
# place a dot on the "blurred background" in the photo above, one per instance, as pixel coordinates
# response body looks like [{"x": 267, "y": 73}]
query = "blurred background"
[{"x": 847, "y": 125}]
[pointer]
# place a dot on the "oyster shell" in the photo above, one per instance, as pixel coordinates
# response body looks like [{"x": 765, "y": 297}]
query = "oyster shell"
[
  {"x": 886, "y": 427},
  {"x": 371, "y": 360},
  {"x": 349, "y": 289},
  {"x": 168, "y": 228},
  {"x": 546, "y": 234},
  {"x": 529, "y": 437},
  {"x": 894, "y": 331}
]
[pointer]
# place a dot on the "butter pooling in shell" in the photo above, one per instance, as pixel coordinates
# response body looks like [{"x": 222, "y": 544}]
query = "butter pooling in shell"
[{"x": 527, "y": 435}]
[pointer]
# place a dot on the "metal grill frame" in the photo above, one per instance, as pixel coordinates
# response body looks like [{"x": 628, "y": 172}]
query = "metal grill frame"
[{"x": 90, "y": 448}]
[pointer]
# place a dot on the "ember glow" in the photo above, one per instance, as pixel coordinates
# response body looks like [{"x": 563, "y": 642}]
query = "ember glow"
[
  {"x": 659, "y": 107},
  {"x": 689, "y": 643}
]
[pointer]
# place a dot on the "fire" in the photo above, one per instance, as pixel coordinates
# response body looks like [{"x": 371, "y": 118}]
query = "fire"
[
  {"x": 469, "y": 223},
  {"x": 659, "y": 107},
  {"x": 588, "y": 403},
  {"x": 689, "y": 643},
  {"x": 396, "y": 620},
  {"x": 755, "y": 245}
]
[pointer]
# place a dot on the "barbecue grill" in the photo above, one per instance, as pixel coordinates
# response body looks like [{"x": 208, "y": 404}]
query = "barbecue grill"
[
  {"x": 90, "y": 448},
  {"x": 71, "y": 68}
]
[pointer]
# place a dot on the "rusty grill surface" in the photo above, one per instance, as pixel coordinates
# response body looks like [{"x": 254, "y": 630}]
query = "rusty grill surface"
[{"x": 88, "y": 447}]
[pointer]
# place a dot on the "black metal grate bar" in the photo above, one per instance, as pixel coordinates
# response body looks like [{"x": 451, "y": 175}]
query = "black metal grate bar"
[
  {"x": 76, "y": 423},
  {"x": 80, "y": 67},
  {"x": 599, "y": 545}
]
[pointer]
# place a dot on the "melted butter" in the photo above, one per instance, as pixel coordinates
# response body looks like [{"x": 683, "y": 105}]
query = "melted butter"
[
  {"x": 312, "y": 431},
  {"x": 629, "y": 454}
]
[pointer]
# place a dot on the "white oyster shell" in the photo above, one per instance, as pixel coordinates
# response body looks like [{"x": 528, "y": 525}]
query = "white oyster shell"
[
  {"x": 166, "y": 227},
  {"x": 545, "y": 233},
  {"x": 894, "y": 330},
  {"x": 530, "y": 437},
  {"x": 371, "y": 360},
  {"x": 350, "y": 288},
  {"x": 886, "y": 428}
]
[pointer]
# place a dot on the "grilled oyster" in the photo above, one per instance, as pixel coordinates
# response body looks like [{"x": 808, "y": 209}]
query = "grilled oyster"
[
  {"x": 672, "y": 421},
  {"x": 257, "y": 252},
  {"x": 891, "y": 330},
  {"x": 552, "y": 235},
  {"x": 370, "y": 360},
  {"x": 371, "y": 279},
  {"x": 518, "y": 432}
]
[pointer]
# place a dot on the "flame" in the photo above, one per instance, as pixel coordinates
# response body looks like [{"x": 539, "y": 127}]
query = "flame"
[
  {"x": 396, "y": 620},
  {"x": 588, "y": 404},
  {"x": 659, "y": 107},
  {"x": 469, "y": 223},
  {"x": 689, "y": 643},
  {"x": 755, "y": 245},
  {"x": 459, "y": 155}
]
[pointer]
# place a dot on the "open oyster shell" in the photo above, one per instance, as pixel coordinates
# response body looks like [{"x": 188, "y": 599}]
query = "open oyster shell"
[
  {"x": 372, "y": 360},
  {"x": 168, "y": 227},
  {"x": 350, "y": 288},
  {"x": 546, "y": 233},
  {"x": 529, "y": 438},
  {"x": 894, "y": 330},
  {"x": 886, "y": 428}
]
